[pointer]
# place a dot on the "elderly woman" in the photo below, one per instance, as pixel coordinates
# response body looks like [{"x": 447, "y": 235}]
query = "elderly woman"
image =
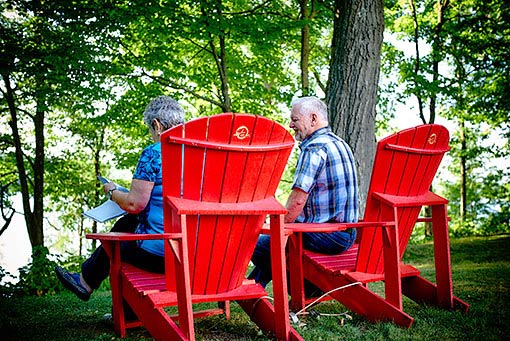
[{"x": 143, "y": 202}]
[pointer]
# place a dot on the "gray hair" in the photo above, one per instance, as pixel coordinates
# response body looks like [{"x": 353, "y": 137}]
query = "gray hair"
[
  {"x": 164, "y": 109},
  {"x": 311, "y": 104}
]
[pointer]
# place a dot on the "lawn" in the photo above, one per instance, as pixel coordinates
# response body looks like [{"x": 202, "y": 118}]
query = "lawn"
[{"x": 481, "y": 277}]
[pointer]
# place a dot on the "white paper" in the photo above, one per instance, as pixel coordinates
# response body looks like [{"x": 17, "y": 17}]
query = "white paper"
[{"x": 104, "y": 212}]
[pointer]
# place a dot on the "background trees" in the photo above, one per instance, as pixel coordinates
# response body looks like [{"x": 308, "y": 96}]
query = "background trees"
[
  {"x": 458, "y": 69},
  {"x": 44, "y": 48},
  {"x": 76, "y": 76}
]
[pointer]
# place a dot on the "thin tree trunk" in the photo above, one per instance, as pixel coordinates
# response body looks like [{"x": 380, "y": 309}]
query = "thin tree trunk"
[
  {"x": 221, "y": 61},
  {"x": 463, "y": 172},
  {"x": 417, "y": 64},
  {"x": 305, "y": 48},
  {"x": 436, "y": 59}
]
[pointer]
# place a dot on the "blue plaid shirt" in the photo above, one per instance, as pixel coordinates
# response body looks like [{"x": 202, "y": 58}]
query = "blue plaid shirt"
[{"x": 327, "y": 172}]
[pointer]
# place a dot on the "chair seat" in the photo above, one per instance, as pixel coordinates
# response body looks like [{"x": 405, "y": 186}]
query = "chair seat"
[
  {"x": 144, "y": 282},
  {"x": 335, "y": 264},
  {"x": 153, "y": 284}
]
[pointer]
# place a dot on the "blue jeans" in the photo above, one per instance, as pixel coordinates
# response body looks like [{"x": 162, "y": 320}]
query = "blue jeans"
[{"x": 327, "y": 243}]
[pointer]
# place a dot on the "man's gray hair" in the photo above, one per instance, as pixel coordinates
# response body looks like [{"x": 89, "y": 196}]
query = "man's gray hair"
[
  {"x": 166, "y": 110},
  {"x": 311, "y": 104}
]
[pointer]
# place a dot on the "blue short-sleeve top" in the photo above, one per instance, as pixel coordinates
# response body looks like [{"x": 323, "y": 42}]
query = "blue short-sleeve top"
[{"x": 151, "y": 218}]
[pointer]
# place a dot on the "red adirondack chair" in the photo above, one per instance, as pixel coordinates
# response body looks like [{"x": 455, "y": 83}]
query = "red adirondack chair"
[
  {"x": 404, "y": 167},
  {"x": 220, "y": 174}
]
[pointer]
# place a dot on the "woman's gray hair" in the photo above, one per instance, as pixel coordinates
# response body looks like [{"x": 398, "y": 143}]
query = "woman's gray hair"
[
  {"x": 164, "y": 109},
  {"x": 311, "y": 104}
]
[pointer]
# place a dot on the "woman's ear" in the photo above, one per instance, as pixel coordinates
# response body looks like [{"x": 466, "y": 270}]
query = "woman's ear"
[{"x": 157, "y": 126}]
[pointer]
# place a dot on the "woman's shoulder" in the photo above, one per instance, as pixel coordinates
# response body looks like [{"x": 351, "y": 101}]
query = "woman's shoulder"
[
  {"x": 150, "y": 153},
  {"x": 155, "y": 146}
]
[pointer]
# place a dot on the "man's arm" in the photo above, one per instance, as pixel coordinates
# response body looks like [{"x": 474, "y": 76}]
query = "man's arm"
[{"x": 295, "y": 203}]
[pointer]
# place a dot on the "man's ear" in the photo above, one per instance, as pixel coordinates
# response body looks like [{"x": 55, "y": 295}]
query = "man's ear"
[{"x": 313, "y": 119}]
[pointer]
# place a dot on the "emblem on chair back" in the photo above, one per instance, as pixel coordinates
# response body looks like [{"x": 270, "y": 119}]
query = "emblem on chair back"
[
  {"x": 242, "y": 132},
  {"x": 405, "y": 165},
  {"x": 226, "y": 158}
]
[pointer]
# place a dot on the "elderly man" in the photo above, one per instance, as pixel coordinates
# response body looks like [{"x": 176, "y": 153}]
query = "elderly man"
[{"x": 325, "y": 186}]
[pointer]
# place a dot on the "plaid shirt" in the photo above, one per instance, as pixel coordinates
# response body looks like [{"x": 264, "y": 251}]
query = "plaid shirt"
[{"x": 326, "y": 171}]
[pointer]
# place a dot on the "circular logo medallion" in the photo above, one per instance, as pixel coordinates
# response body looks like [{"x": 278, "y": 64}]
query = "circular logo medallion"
[
  {"x": 432, "y": 138},
  {"x": 242, "y": 132}
]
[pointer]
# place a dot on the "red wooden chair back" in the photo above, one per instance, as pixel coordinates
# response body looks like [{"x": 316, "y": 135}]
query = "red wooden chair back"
[
  {"x": 226, "y": 158},
  {"x": 405, "y": 165}
]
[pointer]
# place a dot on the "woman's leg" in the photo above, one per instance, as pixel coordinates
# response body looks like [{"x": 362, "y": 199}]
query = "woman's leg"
[
  {"x": 131, "y": 253},
  {"x": 96, "y": 268},
  {"x": 262, "y": 259}
]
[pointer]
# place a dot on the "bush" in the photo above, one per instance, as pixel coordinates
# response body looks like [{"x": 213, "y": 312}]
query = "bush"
[
  {"x": 6, "y": 286},
  {"x": 38, "y": 277}
]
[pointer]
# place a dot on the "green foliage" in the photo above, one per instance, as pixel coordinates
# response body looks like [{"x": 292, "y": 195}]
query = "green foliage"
[
  {"x": 38, "y": 277},
  {"x": 6, "y": 285},
  {"x": 487, "y": 186},
  {"x": 453, "y": 57},
  {"x": 101, "y": 64}
]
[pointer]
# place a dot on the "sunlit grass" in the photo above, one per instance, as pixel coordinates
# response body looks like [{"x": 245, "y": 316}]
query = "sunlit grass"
[{"x": 481, "y": 277}]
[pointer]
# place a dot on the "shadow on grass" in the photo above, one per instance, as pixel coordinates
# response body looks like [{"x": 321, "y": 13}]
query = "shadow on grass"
[{"x": 481, "y": 277}]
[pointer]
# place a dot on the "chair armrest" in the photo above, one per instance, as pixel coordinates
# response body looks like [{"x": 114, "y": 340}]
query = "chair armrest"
[
  {"x": 193, "y": 207},
  {"x": 124, "y": 236},
  {"x": 428, "y": 199},
  {"x": 266, "y": 229},
  {"x": 333, "y": 227}
]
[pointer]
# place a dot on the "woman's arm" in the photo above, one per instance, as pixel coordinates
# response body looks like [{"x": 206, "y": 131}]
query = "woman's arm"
[{"x": 136, "y": 199}]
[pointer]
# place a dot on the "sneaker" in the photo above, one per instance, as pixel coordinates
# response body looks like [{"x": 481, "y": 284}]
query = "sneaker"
[
  {"x": 71, "y": 281},
  {"x": 107, "y": 318},
  {"x": 129, "y": 315}
]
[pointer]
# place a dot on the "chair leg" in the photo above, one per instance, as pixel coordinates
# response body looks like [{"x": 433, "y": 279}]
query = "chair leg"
[
  {"x": 364, "y": 302},
  {"x": 422, "y": 290},
  {"x": 442, "y": 256},
  {"x": 358, "y": 298},
  {"x": 159, "y": 324},
  {"x": 261, "y": 311},
  {"x": 225, "y": 306}
]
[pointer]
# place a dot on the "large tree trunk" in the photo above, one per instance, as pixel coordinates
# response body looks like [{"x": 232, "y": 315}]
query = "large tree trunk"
[{"x": 353, "y": 80}]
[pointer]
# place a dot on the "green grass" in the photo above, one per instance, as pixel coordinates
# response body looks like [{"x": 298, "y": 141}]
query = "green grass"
[{"x": 481, "y": 277}]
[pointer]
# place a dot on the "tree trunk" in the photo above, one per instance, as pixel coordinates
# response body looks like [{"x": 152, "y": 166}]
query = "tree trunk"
[
  {"x": 436, "y": 59},
  {"x": 220, "y": 59},
  {"x": 353, "y": 80},
  {"x": 36, "y": 230},
  {"x": 33, "y": 216},
  {"x": 463, "y": 172},
  {"x": 417, "y": 61},
  {"x": 305, "y": 48}
]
